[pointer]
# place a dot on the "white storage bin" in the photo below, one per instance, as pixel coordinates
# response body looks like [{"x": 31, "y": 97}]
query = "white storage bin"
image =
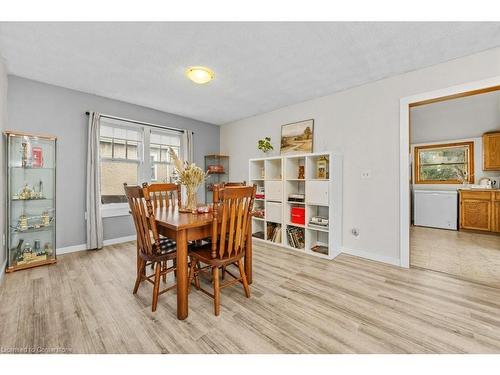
[
  {"x": 317, "y": 192},
  {"x": 274, "y": 190},
  {"x": 273, "y": 212}
]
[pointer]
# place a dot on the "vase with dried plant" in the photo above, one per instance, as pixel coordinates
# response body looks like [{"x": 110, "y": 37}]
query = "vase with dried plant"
[{"x": 191, "y": 176}]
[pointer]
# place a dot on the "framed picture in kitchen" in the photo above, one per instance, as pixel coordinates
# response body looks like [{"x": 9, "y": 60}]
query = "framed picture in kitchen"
[{"x": 297, "y": 137}]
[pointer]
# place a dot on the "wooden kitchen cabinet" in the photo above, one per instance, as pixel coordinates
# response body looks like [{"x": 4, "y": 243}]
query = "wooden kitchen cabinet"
[
  {"x": 491, "y": 151},
  {"x": 480, "y": 210},
  {"x": 496, "y": 213}
]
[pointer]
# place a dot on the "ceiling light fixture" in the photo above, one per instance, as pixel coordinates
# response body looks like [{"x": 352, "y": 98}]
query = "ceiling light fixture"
[{"x": 200, "y": 74}]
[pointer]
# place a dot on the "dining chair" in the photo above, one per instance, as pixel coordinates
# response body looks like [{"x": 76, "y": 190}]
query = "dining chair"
[
  {"x": 230, "y": 184},
  {"x": 230, "y": 226},
  {"x": 217, "y": 187},
  {"x": 164, "y": 195},
  {"x": 151, "y": 248}
]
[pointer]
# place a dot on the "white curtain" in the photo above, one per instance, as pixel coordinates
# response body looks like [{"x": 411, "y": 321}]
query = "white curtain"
[
  {"x": 93, "y": 213},
  {"x": 187, "y": 155},
  {"x": 187, "y": 143}
]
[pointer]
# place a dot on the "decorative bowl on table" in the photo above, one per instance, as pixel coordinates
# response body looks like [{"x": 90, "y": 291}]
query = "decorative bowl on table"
[{"x": 205, "y": 209}]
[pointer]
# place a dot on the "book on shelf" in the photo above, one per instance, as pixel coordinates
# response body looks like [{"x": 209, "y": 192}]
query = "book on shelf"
[
  {"x": 274, "y": 232},
  {"x": 295, "y": 237},
  {"x": 318, "y": 226},
  {"x": 290, "y": 238},
  {"x": 277, "y": 235},
  {"x": 299, "y": 198}
]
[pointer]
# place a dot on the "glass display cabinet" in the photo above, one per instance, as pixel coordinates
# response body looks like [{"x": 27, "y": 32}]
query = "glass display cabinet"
[
  {"x": 31, "y": 200},
  {"x": 217, "y": 166}
]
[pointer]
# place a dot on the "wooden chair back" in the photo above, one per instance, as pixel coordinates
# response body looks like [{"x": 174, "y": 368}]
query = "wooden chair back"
[
  {"x": 217, "y": 187},
  {"x": 143, "y": 221},
  {"x": 232, "y": 217},
  {"x": 242, "y": 183},
  {"x": 164, "y": 195}
]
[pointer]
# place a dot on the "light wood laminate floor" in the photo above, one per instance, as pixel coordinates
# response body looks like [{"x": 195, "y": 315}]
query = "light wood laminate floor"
[
  {"x": 299, "y": 304},
  {"x": 470, "y": 256}
]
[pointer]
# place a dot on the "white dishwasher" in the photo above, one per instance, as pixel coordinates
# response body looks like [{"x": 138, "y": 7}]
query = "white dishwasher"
[{"x": 435, "y": 208}]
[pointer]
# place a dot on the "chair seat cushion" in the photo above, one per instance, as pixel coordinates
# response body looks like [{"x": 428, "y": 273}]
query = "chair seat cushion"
[
  {"x": 168, "y": 251},
  {"x": 167, "y": 245}
]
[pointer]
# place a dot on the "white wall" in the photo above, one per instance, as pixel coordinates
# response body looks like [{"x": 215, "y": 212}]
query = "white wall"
[
  {"x": 3, "y": 122},
  {"x": 363, "y": 124},
  {"x": 467, "y": 117}
]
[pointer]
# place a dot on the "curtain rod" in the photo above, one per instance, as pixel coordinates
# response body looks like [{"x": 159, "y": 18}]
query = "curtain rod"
[{"x": 141, "y": 123}]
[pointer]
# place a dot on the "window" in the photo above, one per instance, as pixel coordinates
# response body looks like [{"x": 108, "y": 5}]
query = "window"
[
  {"x": 133, "y": 154},
  {"x": 161, "y": 163},
  {"x": 120, "y": 149},
  {"x": 451, "y": 163}
]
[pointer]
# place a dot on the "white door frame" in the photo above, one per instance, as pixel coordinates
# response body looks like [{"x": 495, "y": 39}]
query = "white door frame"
[{"x": 404, "y": 150}]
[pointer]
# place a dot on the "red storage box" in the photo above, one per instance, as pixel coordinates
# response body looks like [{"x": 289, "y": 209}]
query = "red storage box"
[{"x": 298, "y": 215}]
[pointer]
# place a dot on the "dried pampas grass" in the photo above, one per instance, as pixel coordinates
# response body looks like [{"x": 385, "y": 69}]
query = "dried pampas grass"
[{"x": 190, "y": 175}]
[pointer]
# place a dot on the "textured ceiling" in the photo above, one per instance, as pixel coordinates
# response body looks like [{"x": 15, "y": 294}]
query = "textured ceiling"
[{"x": 259, "y": 66}]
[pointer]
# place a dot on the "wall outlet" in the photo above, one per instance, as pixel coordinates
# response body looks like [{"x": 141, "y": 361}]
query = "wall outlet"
[
  {"x": 366, "y": 174},
  {"x": 355, "y": 232}
]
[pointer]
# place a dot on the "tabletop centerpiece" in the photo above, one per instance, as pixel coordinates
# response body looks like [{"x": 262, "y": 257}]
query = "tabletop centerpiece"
[{"x": 191, "y": 177}]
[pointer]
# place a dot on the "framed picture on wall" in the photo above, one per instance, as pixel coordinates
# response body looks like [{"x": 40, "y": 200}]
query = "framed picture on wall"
[{"x": 297, "y": 137}]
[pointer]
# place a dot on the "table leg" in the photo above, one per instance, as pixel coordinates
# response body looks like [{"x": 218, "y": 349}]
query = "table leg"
[
  {"x": 182, "y": 276},
  {"x": 248, "y": 256}
]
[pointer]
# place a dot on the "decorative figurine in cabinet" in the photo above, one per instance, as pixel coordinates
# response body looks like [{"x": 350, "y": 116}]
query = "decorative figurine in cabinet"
[
  {"x": 217, "y": 166},
  {"x": 31, "y": 200},
  {"x": 322, "y": 165}
]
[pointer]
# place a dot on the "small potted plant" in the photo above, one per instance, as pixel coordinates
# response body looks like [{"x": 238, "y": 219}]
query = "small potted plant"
[{"x": 265, "y": 145}]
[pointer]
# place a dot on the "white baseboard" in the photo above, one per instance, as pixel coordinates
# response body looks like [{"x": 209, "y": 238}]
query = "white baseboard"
[
  {"x": 114, "y": 241},
  {"x": 372, "y": 256},
  {"x": 71, "y": 249},
  {"x": 2, "y": 271},
  {"x": 82, "y": 247},
  {"x": 357, "y": 253}
]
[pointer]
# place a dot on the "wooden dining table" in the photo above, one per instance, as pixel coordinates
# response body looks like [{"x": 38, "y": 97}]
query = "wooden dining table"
[{"x": 183, "y": 227}]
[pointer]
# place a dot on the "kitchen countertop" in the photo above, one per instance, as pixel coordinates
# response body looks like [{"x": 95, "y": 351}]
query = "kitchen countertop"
[{"x": 476, "y": 189}]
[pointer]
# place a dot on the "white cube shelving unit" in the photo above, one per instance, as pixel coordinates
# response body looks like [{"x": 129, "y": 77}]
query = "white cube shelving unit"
[{"x": 278, "y": 176}]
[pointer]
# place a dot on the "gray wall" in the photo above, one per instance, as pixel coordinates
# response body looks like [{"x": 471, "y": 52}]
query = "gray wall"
[
  {"x": 3, "y": 120},
  {"x": 42, "y": 108}
]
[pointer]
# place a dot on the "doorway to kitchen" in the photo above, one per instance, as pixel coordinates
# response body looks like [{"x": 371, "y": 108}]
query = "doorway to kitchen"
[{"x": 453, "y": 183}]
